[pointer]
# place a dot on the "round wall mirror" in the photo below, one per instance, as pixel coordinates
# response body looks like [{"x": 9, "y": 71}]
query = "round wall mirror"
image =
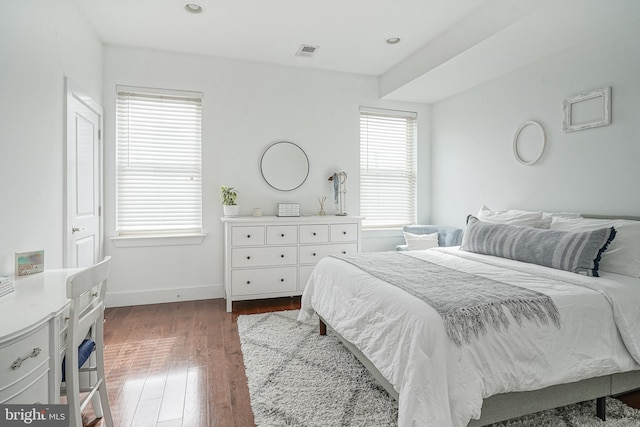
[{"x": 285, "y": 166}]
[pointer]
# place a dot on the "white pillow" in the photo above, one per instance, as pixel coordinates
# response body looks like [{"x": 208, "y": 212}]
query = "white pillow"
[
  {"x": 513, "y": 217},
  {"x": 535, "y": 219},
  {"x": 566, "y": 215},
  {"x": 547, "y": 217},
  {"x": 418, "y": 242},
  {"x": 623, "y": 254}
]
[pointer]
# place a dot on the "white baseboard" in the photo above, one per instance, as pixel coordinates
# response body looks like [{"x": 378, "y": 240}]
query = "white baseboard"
[{"x": 159, "y": 296}]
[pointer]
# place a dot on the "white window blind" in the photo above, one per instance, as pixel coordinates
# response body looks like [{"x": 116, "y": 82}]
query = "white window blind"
[
  {"x": 387, "y": 168},
  {"x": 159, "y": 174}
]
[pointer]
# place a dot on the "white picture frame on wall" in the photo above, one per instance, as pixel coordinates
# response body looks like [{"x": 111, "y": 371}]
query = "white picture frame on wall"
[{"x": 587, "y": 110}]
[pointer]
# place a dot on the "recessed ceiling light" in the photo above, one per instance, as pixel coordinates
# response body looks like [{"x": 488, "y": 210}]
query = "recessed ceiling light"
[
  {"x": 193, "y": 7},
  {"x": 393, "y": 40}
]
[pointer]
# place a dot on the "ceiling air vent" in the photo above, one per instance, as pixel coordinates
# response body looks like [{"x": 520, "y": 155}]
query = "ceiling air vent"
[{"x": 307, "y": 50}]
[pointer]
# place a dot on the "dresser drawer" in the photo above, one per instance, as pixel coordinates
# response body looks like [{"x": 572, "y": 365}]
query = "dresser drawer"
[
  {"x": 264, "y": 281},
  {"x": 314, "y": 234},
  {"x": 282, "y": 234},
  {"x": 247, "y": 236},
  {"x": 33, "y": 388},
  {"x": 264, "y": 257},
  {"x": 303, "y": 276},
  {"x": 314, "y": 253},
  {"x": 33, "y": 350},
  {"x": 344, "y": 233}
]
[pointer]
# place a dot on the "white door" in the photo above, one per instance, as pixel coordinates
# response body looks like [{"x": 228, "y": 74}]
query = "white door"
[{"x": 83, "y": 222}]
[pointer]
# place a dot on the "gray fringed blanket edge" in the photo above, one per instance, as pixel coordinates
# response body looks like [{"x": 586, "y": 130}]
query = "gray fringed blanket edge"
[{"x": 467, "y": 303}]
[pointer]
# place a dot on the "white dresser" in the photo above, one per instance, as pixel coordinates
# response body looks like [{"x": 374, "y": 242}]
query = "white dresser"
[{"x": 268, "y": 257}]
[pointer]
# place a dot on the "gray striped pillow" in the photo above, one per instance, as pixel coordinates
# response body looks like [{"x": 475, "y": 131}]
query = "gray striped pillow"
[{"x": 577, "y": 252}]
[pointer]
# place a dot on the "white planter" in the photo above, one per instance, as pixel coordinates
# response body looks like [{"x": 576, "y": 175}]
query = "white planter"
[{"x": 231, "y": 210}]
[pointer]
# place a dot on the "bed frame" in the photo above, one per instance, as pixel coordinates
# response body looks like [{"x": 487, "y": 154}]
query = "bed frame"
[{"x": 505, "y": 406}]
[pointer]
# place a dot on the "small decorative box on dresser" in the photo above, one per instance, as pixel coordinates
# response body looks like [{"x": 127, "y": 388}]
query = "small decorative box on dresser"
[{"x": 267, "y": 257}]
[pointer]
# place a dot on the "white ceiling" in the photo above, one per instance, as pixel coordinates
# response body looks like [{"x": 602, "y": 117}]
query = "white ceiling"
[
  {"x": 550, "y": 29},
  {"x": 442, "y": 41},
  {"x": 351, "y": 34}
]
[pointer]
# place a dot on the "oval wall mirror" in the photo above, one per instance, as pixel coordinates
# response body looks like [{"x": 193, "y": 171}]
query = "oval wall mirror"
[
  {"x": 542, "y": 141},
  {"x": 284, "y": 166}
]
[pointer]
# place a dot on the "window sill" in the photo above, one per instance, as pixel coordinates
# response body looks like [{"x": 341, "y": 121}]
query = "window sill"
[
  {"x": 157, "y": 240},
  {"x": 381, "y": 232}
]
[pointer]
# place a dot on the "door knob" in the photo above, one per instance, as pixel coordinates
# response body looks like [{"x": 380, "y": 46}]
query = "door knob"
[{"x": 76, "y": 229}]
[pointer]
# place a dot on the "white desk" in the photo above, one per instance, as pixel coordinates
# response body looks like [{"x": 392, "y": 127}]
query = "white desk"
[{"x": 31, "y": 318}]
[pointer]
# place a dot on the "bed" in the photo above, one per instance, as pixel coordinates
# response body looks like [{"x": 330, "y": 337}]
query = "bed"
[{"x": 533, "y": 363}]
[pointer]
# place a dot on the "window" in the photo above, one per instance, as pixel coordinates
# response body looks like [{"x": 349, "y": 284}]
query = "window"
[
  {"x": 387, "y": 168},
  {"x": 158, "y": 161}
]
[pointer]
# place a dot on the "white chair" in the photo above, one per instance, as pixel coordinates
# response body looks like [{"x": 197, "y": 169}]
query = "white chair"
[{"x": 86, "y": 289}]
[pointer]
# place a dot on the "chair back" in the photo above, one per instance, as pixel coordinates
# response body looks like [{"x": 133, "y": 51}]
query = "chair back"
[{"x": 86, "y": 290}]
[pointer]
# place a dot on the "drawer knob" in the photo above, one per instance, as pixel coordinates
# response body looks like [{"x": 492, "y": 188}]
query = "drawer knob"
[
  {"x": 248, "y": 257},
  {"x": 282, "y": 280},
  {"x": 282, "y": 256},
  {"x": 18, "y": 362},
  {"x": 344, "y": 252},
  {"x": 248, "y": 282},
  {"x": 248, "y": 236},
  {"x": 282, "y": 235},
  {"x": 344, "y": 232},
  {"x": 314, "y": 254},
  {"x": 314, "y": 233}
]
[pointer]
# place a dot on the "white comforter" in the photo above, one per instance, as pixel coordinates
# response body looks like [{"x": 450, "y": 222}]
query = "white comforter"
[{"x": 441, "y": 384}]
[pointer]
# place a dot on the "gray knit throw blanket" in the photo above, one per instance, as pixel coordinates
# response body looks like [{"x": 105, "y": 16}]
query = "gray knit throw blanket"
[{"x": 467, "y": 303}]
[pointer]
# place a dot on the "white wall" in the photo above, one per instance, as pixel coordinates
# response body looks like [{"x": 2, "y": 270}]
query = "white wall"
[
  {"x": 246, "y": 107},
  {"x": 41, "y": 41},
  {"x": 590, "y": 171}
]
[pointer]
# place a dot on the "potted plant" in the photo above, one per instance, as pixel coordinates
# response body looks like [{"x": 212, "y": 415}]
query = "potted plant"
[{"x": 228, "y": 196}]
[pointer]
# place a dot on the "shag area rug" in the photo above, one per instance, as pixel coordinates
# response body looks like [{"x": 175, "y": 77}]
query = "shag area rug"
[{"x": 299, "y": 378}]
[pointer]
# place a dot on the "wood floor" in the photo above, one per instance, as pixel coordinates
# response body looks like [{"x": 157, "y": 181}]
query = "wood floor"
[{"x": 180, "y": 364}]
